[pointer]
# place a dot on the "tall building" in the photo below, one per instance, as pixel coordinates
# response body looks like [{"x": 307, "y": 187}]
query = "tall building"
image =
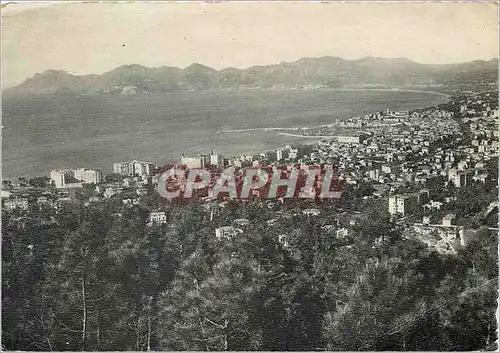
[
  {"x": 143, "y": 168},
  {"x": 374, "y": 174},
  {"x": 462, "y": 179},
  {"x": 279, "y": 155},
  {"x": 217, "y": 160},
  {"x": 193, "y": 162},
  {"x": 402, "y": 204},
  {"x": 87, "y": 175},
  {"x": 58, "y": 177},
  {"x": 133, "y": 168}
]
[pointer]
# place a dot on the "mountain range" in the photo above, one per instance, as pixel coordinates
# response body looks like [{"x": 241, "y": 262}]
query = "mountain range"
[{"x": 323, "y": 72}]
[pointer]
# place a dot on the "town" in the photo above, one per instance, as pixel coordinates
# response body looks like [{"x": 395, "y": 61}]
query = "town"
[{"x": 420, "y": 167}]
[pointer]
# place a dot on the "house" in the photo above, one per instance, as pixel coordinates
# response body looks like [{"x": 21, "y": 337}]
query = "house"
[
  {"x": 227, "y": 232},
  {"x": 130, "y": 201},
  {"x": 311, "y": 212},
  {"x": 449, "y": 220},
  {"x": 387, "y": 169},
  {"x": 342, "y": 233},
  {"x": 462, "y": 165},
  {"x": 241, "y": 222},
  {"x": 157, "y": 218},
  {"x": 480, "y": 178},
  {"x": 42, "y": 200},
  {"x": 109, "y": 192}
]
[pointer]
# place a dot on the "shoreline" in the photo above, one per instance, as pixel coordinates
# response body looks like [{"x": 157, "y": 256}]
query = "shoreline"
[
  {"x": 394, "y": 89},
  {"x": 297, "y": 89},
  {"x": 295, "y": 139},
  {"x": 310, "y": 137},
  {"x": 307, "y": 136}
]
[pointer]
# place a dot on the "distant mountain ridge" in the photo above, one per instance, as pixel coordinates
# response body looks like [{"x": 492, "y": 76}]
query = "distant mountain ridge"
[{"x": 323, "y": 72}]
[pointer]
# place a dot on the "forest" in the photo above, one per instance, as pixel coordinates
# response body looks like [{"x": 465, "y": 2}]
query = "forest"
[{"x": 101, "y": 278}]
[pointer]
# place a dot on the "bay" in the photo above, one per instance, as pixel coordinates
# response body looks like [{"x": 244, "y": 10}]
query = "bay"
[{"x": 41, "y": 133}]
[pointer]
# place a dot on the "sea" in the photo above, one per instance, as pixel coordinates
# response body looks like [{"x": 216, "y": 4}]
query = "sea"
[{"x": 40, "y": 133}]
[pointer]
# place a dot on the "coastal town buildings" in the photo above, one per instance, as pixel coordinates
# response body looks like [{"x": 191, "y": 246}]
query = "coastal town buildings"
[
  {"x": 216, "y": 160},
  {"x": 66, "y": 178},
  {"x": 133, "y": 168},
  {"x": 58, "y": 177},
  {"x": 402, "y": 204},
  {"x": 87, "y": 175},
  {"x": 394, "y": 155},
  {"x": 193, "y": 162}
]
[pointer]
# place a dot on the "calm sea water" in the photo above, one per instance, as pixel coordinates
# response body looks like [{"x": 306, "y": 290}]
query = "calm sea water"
[{"x": 42, "y": 133}]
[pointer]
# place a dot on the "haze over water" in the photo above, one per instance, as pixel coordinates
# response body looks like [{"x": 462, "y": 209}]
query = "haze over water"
[{"x": 46, "y": 132}]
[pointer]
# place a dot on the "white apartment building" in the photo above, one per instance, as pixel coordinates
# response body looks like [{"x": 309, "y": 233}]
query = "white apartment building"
[
  {"x": 216, "y": 159},
  {"x": 58, "y": 177},
  {"x": 133, "y": 168},
  {"x": 87, "y": 175},
  {"x": 402, "y": 204},
  {"x": 193, "y": 162},
  {"x": 279, "y": 155}
]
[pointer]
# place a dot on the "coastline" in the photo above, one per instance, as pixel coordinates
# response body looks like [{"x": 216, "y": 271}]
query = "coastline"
[
  {"x": 306, "y": 136},
  {"x": 389, "y": 89},
  {"x": 310, "y": 137},
  {"x": 249, "y": 142},
  {"x": 6, "y": 93}
]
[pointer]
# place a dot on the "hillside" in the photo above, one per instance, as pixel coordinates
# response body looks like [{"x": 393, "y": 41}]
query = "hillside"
[{"x": 324, "y": 72}]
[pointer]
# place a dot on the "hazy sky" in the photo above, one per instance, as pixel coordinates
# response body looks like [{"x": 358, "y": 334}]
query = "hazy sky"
[{"x": 84, "y": 38}]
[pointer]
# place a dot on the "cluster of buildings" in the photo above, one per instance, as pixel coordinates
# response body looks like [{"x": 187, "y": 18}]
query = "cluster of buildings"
[
  {"x": 133, "y": 168},
  {"x": 202, "y": 161},
  {"x": 392, "y": 150},
  {"x": 66, "y": 186},
  {"x": 67, "y": 178},
  {"x": 407, "y": 203},
  {"x": 379, "y": 150},
  {"x": 132, "y": 173},
  {"x": 387, "y": 150}
]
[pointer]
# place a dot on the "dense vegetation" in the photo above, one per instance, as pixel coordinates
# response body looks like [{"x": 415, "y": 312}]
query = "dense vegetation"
[{"x": 98, "y": 280}]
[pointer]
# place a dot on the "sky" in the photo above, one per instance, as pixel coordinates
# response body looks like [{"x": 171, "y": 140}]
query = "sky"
[{"x": 84, "y": 38}]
